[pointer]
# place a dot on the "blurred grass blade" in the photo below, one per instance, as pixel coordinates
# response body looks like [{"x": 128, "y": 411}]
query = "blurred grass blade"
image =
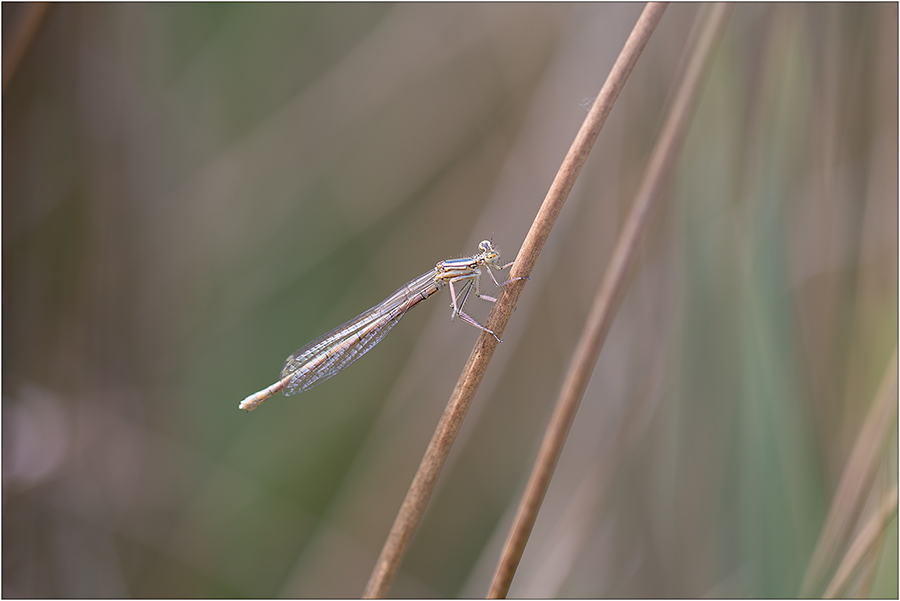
[
  {"x": 864, "y": 544},
  {"x": 855, "y": 481},
  {"x": 610, "y": 293},
  {"x": 30, "y": 19}
]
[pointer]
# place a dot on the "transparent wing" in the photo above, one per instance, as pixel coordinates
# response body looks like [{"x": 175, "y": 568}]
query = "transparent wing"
[
  {"x": 327, "y": 355},
  {"x": 310, "y": 366}
]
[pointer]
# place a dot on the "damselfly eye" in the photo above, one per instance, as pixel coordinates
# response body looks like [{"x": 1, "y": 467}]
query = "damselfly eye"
[{"x": 485, "y": 245}]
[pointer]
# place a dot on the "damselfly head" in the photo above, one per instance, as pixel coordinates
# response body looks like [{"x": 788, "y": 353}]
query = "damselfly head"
[{"x": 488, "y": 251}]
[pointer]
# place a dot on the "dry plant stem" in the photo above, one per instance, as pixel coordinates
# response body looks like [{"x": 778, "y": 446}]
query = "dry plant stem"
[
  {"x": 856, "y": 481},
  {"x": 28, "y": 25},
  {"x": 610, "y": 293},
  {"x": 864, "y": 544},
  {"x": 436, "y": 455}
]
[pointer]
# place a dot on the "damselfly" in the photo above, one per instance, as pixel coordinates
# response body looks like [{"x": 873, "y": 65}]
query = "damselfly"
[{"x": 332, "y": 352}]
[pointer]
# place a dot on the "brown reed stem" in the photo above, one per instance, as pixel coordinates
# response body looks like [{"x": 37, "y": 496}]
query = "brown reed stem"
[
  {"x": 856, "y": 481},
  {"x": 436, "y": 454},
  {"x": 610, "y": 293}
]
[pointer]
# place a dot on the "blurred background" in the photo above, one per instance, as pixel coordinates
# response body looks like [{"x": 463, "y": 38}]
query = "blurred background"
[{"x": 193, "y": 191}]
